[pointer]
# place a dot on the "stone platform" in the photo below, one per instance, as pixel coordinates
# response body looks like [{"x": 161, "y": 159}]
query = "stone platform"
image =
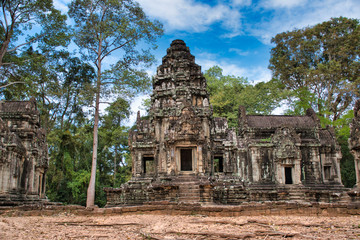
[
  {"x": 280, "y": 208},
  {"x": 193, "y": 189}
]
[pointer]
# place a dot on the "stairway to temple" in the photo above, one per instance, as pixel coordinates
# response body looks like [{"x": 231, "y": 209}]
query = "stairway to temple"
[
  {"x": 189, "y": 189},
  {"x": 295, "y": 193}
]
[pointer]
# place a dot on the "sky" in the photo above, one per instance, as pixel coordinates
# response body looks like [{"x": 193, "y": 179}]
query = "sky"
[{"x": 233, "y": 34}]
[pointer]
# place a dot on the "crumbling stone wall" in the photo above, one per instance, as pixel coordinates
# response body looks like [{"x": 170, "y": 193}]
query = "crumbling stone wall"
[{"x": 23, "y": 153}]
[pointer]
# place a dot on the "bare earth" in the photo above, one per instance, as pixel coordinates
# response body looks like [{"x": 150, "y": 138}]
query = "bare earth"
[{"x": 64, "y": 226}]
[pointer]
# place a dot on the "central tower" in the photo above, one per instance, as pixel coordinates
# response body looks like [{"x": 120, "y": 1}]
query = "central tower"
[{"x": 179, "y": 118}]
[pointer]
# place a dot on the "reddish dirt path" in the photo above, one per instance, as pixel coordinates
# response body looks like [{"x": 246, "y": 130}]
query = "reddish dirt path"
[{"x": 147, "y": 226}]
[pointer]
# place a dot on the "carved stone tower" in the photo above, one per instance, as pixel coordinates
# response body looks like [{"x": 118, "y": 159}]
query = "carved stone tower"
[{"x": 180, "y": 116}]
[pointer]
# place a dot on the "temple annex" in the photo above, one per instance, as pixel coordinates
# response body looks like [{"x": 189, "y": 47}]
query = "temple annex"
[
  {"x": 23, "y": 153},
  {"x": 184, "y": 154}
]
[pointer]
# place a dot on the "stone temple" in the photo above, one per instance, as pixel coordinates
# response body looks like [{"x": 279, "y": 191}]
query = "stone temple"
[
  {"x": 184, "y": 154},
  {"x": 23, "y": 153},
  {"x": 354, "y": 142}
]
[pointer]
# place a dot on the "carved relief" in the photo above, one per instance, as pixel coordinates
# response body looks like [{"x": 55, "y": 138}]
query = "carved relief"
[{"x": 285, "y": 140}]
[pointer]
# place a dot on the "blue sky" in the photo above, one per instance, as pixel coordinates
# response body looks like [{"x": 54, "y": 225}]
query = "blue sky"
[{"x": 234, "y": 34}]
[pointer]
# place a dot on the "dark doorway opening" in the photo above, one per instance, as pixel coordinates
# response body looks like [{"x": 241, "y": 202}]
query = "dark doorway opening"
[
  {"x": 327, "y": 170},
  {"x": 186, "y": 159},
  {"x": 288, "y": 175},
  {"x": 218, "y": 164},
  {"x": 148, "y": 163}
]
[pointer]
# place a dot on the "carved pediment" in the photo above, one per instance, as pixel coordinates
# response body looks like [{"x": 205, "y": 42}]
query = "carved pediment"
[
  {"x": 285, "y": 141},
  {"x": 188, "y": 123}
]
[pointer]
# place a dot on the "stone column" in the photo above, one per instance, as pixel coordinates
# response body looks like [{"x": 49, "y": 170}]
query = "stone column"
[{"x": 357, "y": 166}]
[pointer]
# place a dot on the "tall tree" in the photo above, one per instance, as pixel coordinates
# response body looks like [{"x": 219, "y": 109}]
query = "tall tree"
[
  {"x": 320, "y": 65},
  {"x": 104, "y": 27}
]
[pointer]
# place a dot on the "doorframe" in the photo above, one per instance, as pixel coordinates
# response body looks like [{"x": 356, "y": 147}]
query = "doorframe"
[{"x": 193, "y": 155}]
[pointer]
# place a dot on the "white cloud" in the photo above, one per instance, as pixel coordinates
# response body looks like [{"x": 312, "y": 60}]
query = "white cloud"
[
  {"x": 300, "y": 16},
  {"x": 239, "y": 51},
  {"x": 192, "y": 16},
  {"x": 283, "y": 3},
  {"x": 241, "y": 2}
]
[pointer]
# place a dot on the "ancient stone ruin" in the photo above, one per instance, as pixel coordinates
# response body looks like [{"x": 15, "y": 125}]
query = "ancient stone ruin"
[
  {"x": 354, "y": 144},
  {"x": 23, "y": 153},
  {"x": 184, "y": 154}
]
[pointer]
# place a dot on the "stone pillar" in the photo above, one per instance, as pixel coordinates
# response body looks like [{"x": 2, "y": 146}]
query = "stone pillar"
[
  {"x": 357, "y": 166},
  {"x": 354, "y": 141},
  {"x": 199, "y": 168}
]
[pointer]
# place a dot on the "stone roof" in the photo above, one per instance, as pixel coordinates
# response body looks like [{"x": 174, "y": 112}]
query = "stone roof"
[
  {"x": 325, "y": 137},
  {"x": 18, "y": 106},
  {"x": 178, "y": 50},
  {"x": 275, "y": 121}
]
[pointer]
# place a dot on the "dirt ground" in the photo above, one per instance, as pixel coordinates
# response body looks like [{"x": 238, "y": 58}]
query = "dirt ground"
[{"x": 65, "y": 226}]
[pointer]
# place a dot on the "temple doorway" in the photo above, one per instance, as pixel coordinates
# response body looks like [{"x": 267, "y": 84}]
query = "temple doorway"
[
  {"x": 288, "y": 175},
  {"x": 186, "y": 159}
]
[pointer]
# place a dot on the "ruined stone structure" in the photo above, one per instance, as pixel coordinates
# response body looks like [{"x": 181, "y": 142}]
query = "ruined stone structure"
[
  {"x": 354, "y": 141},
  {"x": 184, "y": 154},
  {"x": 23, "y": 153}
]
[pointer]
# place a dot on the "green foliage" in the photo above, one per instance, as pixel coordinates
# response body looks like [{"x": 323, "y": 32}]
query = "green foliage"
[
  {"x": 347, "y": 164},
  {"x": 41, "y": 22},
  {"x": 227, "y": 93},
  {"x": 320, "y": 65},
  {"x": 70, "y": 153}
]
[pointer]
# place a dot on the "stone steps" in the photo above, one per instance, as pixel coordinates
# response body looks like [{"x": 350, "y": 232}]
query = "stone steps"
[
  {"x": 189, "y": 188},
  {"x": 189, "y": 192}
]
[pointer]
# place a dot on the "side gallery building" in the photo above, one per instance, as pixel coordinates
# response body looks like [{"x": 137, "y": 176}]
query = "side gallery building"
[
  {"x": 23, "y": 154},
  {"x": 184, "y": 154}
]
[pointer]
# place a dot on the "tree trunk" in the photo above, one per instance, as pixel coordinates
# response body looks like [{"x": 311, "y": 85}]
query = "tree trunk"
[
  {"x": 115, "y": 155},
  {"x": 90, "y": 200}
]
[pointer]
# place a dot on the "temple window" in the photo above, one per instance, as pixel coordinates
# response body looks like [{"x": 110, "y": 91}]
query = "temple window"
[
  {"x": 218, "y": 164},
  {"x": 148, "y": 163}
]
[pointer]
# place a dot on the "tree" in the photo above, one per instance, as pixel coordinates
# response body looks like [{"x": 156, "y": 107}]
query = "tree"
[
  {"x": 227, "y": 93},
  {"x": 102, "y": 28},
  {"x": 115, "y": 134},
  {"x": 20, "y": 16},
  {"x": 320, "y": 65}
]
